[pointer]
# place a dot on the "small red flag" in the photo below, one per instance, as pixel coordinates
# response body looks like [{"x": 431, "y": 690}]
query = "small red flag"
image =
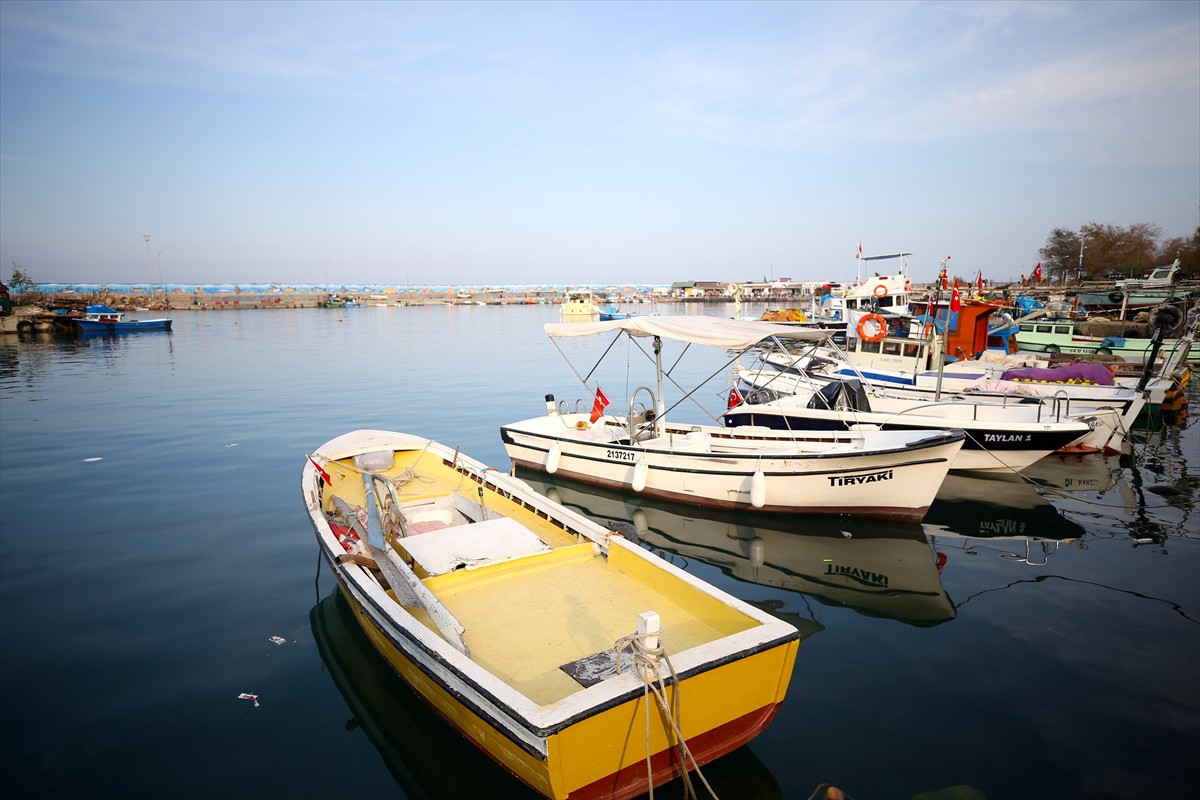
[
  {"x": 981, "y": 281},
  {"x": 324, "y": 475},
  {"x": 1037, "y": 272},
  {"x": 735, "y": 398},
  {"x": 955, "y": 303},
  {"x": 598, "y": 406}
]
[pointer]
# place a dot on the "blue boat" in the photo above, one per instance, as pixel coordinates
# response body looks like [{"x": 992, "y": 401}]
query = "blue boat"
[
  {"x": 611, "y": 313},
  {"x": 103, "y": 319}
]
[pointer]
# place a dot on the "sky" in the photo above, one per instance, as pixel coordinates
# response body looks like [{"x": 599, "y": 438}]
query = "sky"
[{"x": 568, "y": 143}]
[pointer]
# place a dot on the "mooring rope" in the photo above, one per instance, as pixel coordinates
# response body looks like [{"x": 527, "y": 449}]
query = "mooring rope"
[{"x": 645, "y": 662}]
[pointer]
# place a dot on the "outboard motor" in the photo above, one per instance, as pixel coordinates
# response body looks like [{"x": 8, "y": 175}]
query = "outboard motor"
[{"x": 1164, "y": 319}]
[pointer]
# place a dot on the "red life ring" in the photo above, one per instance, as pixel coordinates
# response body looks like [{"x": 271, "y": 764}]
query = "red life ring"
[
  {"x": 880, "y": 324},
  {"x": 881, "y": 291}
]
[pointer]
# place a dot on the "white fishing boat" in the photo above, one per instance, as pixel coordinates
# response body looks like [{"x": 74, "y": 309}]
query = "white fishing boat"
[
  {"x": 1159, "y": 278},
  {"x": 883, "y": 296},
  {"x": 579, "y": 661},
  {"x": 862, "y": 472},
  {"x": 892, "y": 349},
  {"x": 580, "y": 306},
  {"x": 888, "y": 294},
  {"x": 1006, "y": 436},
  {"x": 1160, "y": 286},
  {"x": 988, "y": 379}
]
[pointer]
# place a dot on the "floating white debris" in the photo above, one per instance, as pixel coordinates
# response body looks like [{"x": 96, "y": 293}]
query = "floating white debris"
[
  {"x": 278, "y": 640},
  {"x": 93, "y": 458},
  {"x": 235, "y": 444},
  {"x": 248, "y": 696}
]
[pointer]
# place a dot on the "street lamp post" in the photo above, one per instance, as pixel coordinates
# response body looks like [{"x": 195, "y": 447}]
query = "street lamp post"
[
  {"x": 149, "y": 273},
  {"x": 161, "y": 287}
]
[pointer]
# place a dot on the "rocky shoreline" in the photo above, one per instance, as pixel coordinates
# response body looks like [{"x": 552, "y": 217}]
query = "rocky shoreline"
[
  {"x": 49, "y": 312},
  {"x": 247, "y": 300}
]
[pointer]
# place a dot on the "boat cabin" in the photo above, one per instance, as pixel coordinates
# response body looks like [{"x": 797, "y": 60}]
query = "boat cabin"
[
  {"x": 973, "y": 330},
  {"x": 102, "y": 313},
  {"x": 580, "y": 306},
  {"x": 878, "y": 294},
  {"x": 1159, "y": 276}
]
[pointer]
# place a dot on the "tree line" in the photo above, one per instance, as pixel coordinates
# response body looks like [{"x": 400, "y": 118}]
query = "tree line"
[{"x": 1111, "y": 251}]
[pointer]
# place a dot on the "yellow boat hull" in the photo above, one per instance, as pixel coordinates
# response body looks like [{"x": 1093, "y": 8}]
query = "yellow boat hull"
[{"x": 604, "y": 756}]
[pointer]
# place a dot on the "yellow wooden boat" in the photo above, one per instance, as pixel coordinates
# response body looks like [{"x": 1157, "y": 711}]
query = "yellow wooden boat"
[{"x": 582, "y": 663}]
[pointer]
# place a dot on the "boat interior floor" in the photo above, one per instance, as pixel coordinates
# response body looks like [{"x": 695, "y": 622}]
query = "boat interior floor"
[{"x": 540, "y": 617}]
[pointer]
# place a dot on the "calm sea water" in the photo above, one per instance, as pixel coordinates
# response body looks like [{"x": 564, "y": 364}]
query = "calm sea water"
[{"x": 1027, "y": 641}]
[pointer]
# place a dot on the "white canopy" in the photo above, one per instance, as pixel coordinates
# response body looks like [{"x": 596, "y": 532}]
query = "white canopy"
[{"x": 732, "y": 334}]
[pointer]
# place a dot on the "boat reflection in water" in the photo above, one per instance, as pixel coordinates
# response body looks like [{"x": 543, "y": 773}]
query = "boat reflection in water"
[
  {"x": 1082, "y": 477},
  {"x": 999, "y": 513},
  {"x": 1151, "y": 498},
  {"x": 878, "y": 568},
  {"x": 428, "y": 758},
  {"x": 999, "y": 505}
]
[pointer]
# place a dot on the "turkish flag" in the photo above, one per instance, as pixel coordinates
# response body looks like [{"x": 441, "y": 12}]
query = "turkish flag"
[
  {"x": 1037, "y": 272},
  {"x": 735, "y": 398},
  {"x": 324, "y": 475},
  {"x": 955, "y": 304},
  {"x": 598, "y": 406}
]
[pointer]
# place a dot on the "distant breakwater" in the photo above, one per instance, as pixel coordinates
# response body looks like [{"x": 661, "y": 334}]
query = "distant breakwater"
[{"x": 235, "y": 301}]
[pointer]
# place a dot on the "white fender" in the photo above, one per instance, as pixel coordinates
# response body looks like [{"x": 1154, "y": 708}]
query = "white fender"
[
  {"x": 758, "y": 489},
  {"x": 552, "y": 458},
  {"x": 639, "y": 476},
  {"x": 639, "y": 522}
]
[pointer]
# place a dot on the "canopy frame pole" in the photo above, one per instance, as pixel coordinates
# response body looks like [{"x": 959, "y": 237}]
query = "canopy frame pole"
[
  {"x": 571, "y": 366},
  {"x": 660, "y": 412}
]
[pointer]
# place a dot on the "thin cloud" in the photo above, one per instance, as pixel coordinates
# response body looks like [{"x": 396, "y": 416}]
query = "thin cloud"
[{"x": 977, "y": 70}]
